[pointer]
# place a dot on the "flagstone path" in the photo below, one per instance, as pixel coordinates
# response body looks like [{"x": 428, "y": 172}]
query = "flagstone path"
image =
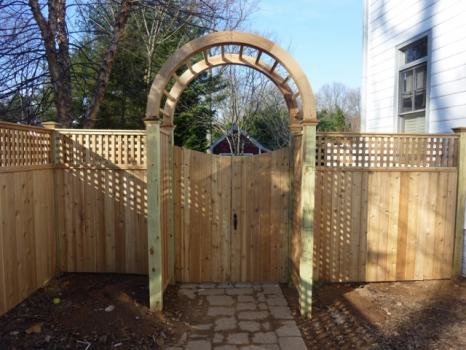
[{"x": 239, "y": 316}]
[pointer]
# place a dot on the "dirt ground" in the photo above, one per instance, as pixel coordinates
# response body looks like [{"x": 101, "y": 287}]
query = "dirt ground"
[
  {"x": 88, "y": 311},
  {"x": 400, "y": 315}
]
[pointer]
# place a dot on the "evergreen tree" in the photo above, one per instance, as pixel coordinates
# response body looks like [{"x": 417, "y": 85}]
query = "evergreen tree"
[
  {"x": 269, "y": 126},
  {"x": 332, "y": 121},
  {"x": 126, "y": 96},
  {"x": 194, "y": 113}
]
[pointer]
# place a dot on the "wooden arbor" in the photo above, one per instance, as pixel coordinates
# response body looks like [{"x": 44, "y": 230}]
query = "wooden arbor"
[{"x": 263, "y": 55}]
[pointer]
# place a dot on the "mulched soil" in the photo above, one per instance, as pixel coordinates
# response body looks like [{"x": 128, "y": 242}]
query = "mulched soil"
[
  {"x": 399, "y": 315},
  {"x": 409, "y": 315},
  {"x": 80, "y": 321}
]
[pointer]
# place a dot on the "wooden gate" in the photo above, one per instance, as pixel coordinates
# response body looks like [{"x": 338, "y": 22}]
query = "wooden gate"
[{"x": 231, "y": 217}]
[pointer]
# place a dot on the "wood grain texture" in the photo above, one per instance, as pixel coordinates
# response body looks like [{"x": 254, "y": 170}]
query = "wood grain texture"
[
  {"x": 155, "y": 224},
  {"x": 296, "y": 205},
  {"x": 27, "y": 237},
  {"x": 460, "y": 204},
  {"x": 103, "y": 220},
  {"x": 102, "y": 185},
  {"x": 385, "y": 209},
  {"x": 284, "y": 72},
  {"x": 306, "y": 263},
  {"x": 209, "y": 191},
  {"x": 381, "y": 226},
  {"x": 384, "y": 206}
]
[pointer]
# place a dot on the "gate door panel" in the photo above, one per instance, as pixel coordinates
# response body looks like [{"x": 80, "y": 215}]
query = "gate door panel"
[
  {"x": 202, "y": 216},
  {"x": 260, "y": 201},
  {"x": 231, "y": 217}
]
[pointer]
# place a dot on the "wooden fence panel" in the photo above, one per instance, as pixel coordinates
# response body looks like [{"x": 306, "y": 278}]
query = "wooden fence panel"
[
  {"x": 209, "y": 191},
  {"x": 260, "y": 198},
  {"x": 27, "y": 212},
  {"x": 384, "y": 207},
  {"x": 366, "y": 233},
  {"x": 101, "y": 177},
  {"x": 102, "y": 185},
  {"x": 202, "y": 220},
  {"x": 104, "y": 222}
]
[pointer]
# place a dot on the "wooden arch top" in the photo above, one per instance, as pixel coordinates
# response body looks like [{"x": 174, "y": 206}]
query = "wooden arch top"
[{"x": 237, "y": 48}]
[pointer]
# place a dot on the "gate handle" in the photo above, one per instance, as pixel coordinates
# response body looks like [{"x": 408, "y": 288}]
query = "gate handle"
[{"x": 235, "y": 221}]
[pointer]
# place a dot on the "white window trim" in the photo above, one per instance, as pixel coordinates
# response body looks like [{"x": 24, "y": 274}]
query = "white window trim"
[{"x": 397, "y": 121}]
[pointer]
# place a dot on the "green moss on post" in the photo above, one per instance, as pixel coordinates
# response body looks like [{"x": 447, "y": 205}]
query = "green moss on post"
[
  {"x": 307, "y": 229},
  {"x": 154, "y": 228}
]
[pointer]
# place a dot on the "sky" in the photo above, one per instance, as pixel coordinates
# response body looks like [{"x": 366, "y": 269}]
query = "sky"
[{"x": 324, "y": 36}]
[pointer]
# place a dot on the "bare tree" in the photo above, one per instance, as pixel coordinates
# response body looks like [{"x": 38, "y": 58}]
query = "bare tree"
[
  {"x": 337, "y": 95},
  {"x": 22, "y": 72},
  {"x": 106, "y": 66},
  {"x": 37, "y": 38},
  {"x": 35, "y": 44},
  {"x": 250, "y": 95},
  {"x": 54, "y": 34},
  {"x": 158, "y": 24}
]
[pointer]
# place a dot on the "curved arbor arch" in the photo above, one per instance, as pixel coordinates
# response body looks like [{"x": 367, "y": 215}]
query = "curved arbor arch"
[
  {"x": 232, "y": 48},
  {"x": 263, "y": 55}
]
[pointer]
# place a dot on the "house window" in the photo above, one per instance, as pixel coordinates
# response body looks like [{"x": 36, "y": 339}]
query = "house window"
[
  {"x": 415, "y": 51},
  {"x": 412, "y": 86}
]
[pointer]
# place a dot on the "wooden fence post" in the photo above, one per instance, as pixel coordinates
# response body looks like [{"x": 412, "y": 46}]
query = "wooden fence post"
[
  {"x": 460, "y": 202},
  {"x": 307, "y": 228},
  {"x": 154, "y": 227},
  {"x": 55, "y": 158},
  {"x": 295, "y": 204}
]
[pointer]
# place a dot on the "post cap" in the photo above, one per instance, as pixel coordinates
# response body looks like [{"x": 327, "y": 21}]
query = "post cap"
[
  {"x": 309, "y": 122},
  {"x": 51, "y": 125},
  {"x": 168, "y": 126},
  {"x": 149, "y": 122},
  {"x": 296, "y": 129}
]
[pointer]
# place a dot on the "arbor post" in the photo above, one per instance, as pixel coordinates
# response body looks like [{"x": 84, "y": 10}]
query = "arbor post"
[
  {"x": 296, "y": 131},
  {"x": 170, "y": 130},
  {"x": 308, "y": 149},
  {"x": 460, "y": 203},
  {"x": 154, "y": 227}
]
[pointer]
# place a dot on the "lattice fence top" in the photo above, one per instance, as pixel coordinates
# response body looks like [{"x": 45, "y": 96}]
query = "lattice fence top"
[
  {"x": 24, "y": 145},
  {"x": 99, "y": 148},
  {"x": 354, "y": 150},
  {"x": 32, "y": 146}
]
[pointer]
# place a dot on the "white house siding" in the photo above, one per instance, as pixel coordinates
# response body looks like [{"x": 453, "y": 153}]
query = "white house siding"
[{"x": 390, "y": 23}]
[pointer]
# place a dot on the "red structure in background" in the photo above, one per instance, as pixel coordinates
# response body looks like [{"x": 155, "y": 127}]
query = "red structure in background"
[{"x": 228, "y": 144}]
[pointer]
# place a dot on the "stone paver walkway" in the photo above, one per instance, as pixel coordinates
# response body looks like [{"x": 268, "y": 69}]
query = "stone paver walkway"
[{"x": 239, "y": 316}]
